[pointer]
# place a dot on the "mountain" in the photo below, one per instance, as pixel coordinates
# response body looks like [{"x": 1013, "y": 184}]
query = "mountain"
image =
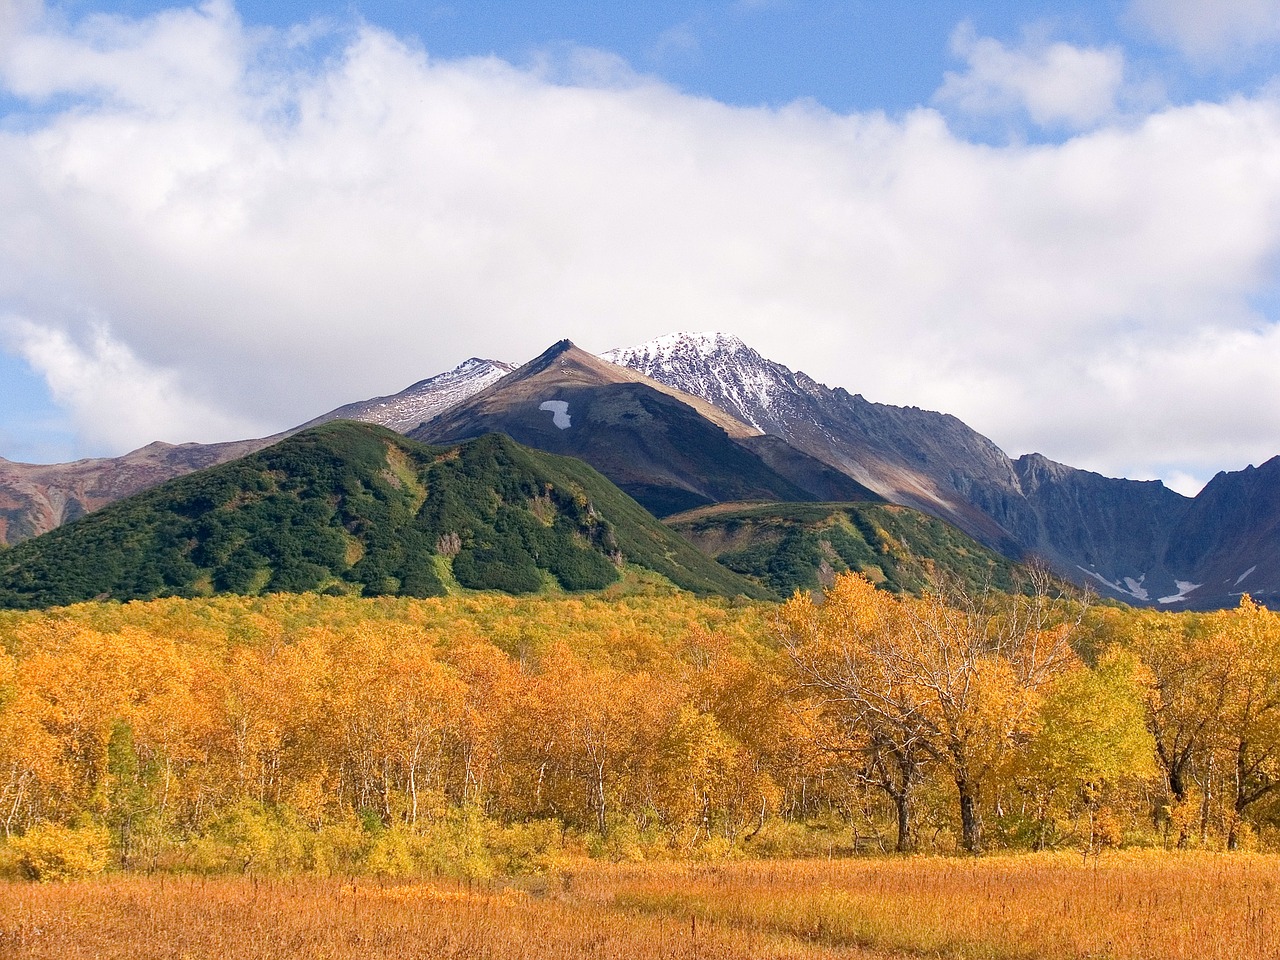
[
  {"x": 904, "y": 454},
  {"x": 423, "y": 400},
  {"x": 36, "y": 498},
  {"x": 1135, "y": 540},
  {"x": 1227, "y": 540},
  {"x": 669, "y": 450},
  {"x": 695, "y": 419},
  {"x": 355, "y": 508},
  {"x": 799, "y": 546}
]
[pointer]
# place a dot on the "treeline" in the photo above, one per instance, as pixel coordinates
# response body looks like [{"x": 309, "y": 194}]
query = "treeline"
[{"x": 489, "y": 733}]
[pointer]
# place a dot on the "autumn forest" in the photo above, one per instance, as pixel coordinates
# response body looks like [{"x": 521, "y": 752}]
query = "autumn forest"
[{"x": 482, "y": 735}]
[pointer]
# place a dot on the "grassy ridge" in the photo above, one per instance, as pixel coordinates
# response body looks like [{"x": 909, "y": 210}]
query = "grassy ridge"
[
  {"x": 352, "y": 508},
  {"x": 794, "y": 546}
]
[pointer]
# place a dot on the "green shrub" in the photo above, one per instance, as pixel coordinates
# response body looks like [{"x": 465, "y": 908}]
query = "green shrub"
[
  {"x": 396, "y": 852},
  {"x": 528, "y": 849},
  {"x": 252, "y": 837},
  {"x": 337, "y": 848},
  {"x": 49, "y": 852},
  {"x": 459, "y": 844}
]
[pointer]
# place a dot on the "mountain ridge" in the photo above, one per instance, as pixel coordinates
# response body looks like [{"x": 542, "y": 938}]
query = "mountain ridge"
[
  {"x": 37, "y": 498},
  {"x": 669, "y": 450},
  {"x": 1119, "y": 534}
]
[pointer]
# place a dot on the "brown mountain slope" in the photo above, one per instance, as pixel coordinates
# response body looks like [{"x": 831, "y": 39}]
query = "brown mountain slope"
[
  {"x": 36, "y": 498},
  {"x": 669, "y": 450}
]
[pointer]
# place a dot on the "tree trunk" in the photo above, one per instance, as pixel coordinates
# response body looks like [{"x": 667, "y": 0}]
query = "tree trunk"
[
  {"x": 602, "y": 821},
  {"x": 906, "y": 836},
  {"x": 897, "y": 770},
  {"x": 970, "y": 817}
]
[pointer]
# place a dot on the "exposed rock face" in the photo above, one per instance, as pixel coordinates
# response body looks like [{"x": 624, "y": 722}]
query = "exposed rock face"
[
  {"x": 1136, "y": 540},
  {"x": 1229, "y": 537}
]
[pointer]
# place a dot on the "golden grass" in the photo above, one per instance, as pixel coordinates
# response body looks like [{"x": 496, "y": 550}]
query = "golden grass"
[
  {"x": 307, "y": 919},
  {"x": 1139, "y": 905}
]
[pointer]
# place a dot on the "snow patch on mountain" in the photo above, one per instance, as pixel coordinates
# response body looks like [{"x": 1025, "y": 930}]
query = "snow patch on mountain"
[
  {"x": 1136, "y": 588},
  {"x": 1126, "y": 586},
  {"x": 1184, "y": 588},
  {"x": 559, "y": 411}
]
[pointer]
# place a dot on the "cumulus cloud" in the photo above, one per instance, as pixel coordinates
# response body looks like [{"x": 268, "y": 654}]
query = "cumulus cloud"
[
  {"x": 113, "y": 397},
  {"x": 1055, "y": 84},
  {"x": 267, "y": 235},
  {"x": 1211, "y": 30}
]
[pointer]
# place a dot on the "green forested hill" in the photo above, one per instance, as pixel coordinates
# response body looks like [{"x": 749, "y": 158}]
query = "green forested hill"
[
  {"x": 354, "y": 508},
  {"x": 791, "y": 546}
]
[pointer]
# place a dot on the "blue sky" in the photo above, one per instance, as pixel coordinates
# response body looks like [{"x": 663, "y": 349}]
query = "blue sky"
[
  {"x": 850, "y": 55},
  {"x": 1059, "y": 221}
]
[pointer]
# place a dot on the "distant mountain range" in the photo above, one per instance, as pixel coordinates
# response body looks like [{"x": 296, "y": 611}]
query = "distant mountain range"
[
  {"x": 37, "y": 498},
  {"x": 1135, "y": 540},
  {"x": 690, "y": 420}
]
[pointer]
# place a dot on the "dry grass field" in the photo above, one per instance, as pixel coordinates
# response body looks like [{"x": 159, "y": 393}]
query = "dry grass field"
[{"x": 1142, "y": 905}]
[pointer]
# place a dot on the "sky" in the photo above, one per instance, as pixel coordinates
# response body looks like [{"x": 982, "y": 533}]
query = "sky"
[{"x": 1058, "y": 221}]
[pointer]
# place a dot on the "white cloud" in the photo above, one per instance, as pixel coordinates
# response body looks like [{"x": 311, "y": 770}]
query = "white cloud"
[
  {"x": 268, "y": 241},
  {"x": 16, "y": 16},
  {"x": 1211, "y": 30},
  {"x": 112, "y": 396},
  {"x": 1056, "y": 84},
  {"x": 177, "y": 60}
]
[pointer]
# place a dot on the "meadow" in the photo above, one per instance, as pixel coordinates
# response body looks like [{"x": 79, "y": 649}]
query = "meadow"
[{"x": 1127, "y": 904}]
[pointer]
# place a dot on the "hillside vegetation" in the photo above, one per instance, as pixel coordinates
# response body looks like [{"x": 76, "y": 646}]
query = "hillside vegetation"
[
  {"x": 800, "y": 546},
  {"x": 356, "y": 509}
]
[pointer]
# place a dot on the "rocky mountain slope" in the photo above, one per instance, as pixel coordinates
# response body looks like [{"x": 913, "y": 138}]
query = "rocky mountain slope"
[
  {"x": 1228, "y": 539},
  {"x": 354, "y": 508},
  {"x": 36, "y": 498},
  {"x": 902, "y": 453},
  {"x": 1134, "y": 540},
  {"x": 670, "y": 451}
]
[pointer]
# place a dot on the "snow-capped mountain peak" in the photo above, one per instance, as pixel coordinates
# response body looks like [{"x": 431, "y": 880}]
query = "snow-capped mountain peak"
[
  {"x": 718, "y": 367},
  {"x": 425, "y": 399},
  {"x": 676, "y": 344}
]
